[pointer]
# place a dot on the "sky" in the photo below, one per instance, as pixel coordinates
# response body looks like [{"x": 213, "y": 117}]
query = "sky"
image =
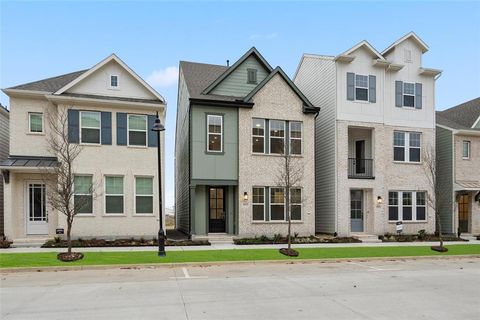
[{"x": 44, "y": 39}]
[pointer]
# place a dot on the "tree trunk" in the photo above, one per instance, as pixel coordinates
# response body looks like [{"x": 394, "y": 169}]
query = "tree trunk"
[
  {"x": 289, "y": 237},
  {"x": 439, "y": 227},
  {"x": 69, "y": 237}
]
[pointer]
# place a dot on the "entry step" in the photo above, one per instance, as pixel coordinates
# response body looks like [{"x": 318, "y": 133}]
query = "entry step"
[{"x": 367, "y": 238}]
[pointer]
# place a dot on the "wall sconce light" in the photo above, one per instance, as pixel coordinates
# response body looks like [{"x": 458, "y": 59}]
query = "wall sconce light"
[
  {"x": 245, "y": 196},
  {"x": 379, "y": 200}
]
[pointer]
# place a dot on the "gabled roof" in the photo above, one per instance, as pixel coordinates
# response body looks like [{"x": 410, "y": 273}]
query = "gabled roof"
[
  {"x": 253, "y": 51},
  {"x": 108, "y": 59},
  {"x": 50, "y": 85},
  {"x": 423, "y": 46},
  {"x": 365, "y": 44},
  {"x": 461, "y": 117},
  {"x": 308, "y": 106}
]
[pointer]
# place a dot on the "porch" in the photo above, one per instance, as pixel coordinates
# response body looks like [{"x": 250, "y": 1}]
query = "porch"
[
  {"x": 360, "y": 153},
  {"x": 467, "y": 207}
]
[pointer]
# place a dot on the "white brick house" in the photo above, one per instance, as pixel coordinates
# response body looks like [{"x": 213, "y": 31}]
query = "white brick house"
[{"x": 378, "y": 117}]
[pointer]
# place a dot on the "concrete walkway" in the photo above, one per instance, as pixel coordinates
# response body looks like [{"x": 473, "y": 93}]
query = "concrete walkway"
[{"x": 239, "y": 247}]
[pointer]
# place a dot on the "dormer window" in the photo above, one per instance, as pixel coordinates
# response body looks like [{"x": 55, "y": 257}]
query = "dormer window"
[
  {"x": 114, "y": 81},
  {"x": 252, "y": 76},
  {"x": 361, "y": 87},
  {"x": 408, "y": 94}
]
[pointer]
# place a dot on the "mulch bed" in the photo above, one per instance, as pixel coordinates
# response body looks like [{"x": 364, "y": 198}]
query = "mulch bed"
[
  {"x": 289, "y": 252},
  {"x": 417, "y": 238},
  {"x": 297, "y": 240},
  {"x": 69, "y": 257},
  {"x": 88, "y": 243},
  {"x": 439, "y": 249}
]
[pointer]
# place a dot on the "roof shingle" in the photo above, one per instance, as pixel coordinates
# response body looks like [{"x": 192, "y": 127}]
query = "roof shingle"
[
  {"x": 50, "y": 84},
  {"x": 462, "y": 116}
]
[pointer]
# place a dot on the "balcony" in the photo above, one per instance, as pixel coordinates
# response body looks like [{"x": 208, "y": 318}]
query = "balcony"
[{"x": 360, "y": 168}]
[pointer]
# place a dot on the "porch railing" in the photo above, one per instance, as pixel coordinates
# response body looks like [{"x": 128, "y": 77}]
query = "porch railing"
[{"x": 360, "y": 168}]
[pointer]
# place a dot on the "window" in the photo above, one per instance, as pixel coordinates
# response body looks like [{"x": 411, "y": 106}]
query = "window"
[
  {"x": 466, "y": 150},
  {"x": 407, "y": 206},
  {"x": 215, "y": 133},
  {"x": 258, "y": 135},
  {"x": 408, "y": 94},
  {"x": 295, "y": 204},
  {"x": 258, "y": 203},
  {"x": 114, "y": 195},
  {"x": 277, "y": 136},
  {"x": 144, "y": 195},
  {"x": 90, "y": 127},
  {"x": 277, "y": 204},
  {"x": 407, "y": 55},
  {"x": 35, "y": 122},
  {"x": 252, "y": 76},
  {"x": 407, "y": 146},
  {"x": 82, "y": 199},
  {"x": 137, "y": 130},
  {"x": 361, "y": 87},
  {"x": 114, "y": 81},
  {"x": 295, "y": 137}
]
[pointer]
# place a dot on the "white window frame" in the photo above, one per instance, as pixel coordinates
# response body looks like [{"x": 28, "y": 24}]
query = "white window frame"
[
  {"x": 258, "y": 203},
  {"x": 367, "y": 87},
  {"x": 30, "y": 123},
  {"x": 99, "y": 128},
  {"x": 297, "y": 204},
  {"x": 113, "y": 195},
  {"x": 270, "y": 137},
  {"x": 209, "y": 116},
  {"x": 414, "y": 206},
  {"x": 258, "y": 136},
  {"x": 468, "y": 145},
  {"x": 278, "y": 204},
  {"x": 290, "y": 138},
  {"x": 83, "y": 194},
  {"x": 408, "y": 94},
  {"x": 143, "y": 195},
  {"x": 137, "y": 130},
  {"x": 407, "y": 146},
  {"x": 110, "y": 81}
]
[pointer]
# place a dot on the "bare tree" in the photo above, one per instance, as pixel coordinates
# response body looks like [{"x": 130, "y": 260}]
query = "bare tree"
[
  {"x": 60, "y": 178},
  {"x": 289, "y": 176},
  {"x": 434, "y": 200}
]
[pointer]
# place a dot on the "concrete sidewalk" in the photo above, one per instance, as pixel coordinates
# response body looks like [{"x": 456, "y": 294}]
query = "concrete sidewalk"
[{"x": 238, "y": 247}]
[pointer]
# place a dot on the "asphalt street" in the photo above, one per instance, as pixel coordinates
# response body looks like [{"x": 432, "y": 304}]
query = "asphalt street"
[{"x": 402, "y": 289}]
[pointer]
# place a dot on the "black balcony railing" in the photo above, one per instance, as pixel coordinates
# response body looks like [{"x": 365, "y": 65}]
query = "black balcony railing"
[{"x": 360, "y": 168}]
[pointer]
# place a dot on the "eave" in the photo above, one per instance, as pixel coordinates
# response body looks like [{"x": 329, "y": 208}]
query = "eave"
[
  {"x": 344, "y": 58},
  {"x": 222, "y": 103},
  {"x": 429, "y": 72},
  {"x": 101, "y": 102}
]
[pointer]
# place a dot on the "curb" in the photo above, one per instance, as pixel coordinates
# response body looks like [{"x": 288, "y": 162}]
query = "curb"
[{"x": 219, "y": 263}]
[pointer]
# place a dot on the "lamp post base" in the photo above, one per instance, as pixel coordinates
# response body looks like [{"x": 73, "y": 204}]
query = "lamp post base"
[{"x": 161, "y": 243}]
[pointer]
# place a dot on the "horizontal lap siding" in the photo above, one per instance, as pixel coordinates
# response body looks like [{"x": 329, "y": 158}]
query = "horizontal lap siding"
[
  {"x": 316, "y": 79},
  {"x": 444, "y": 155},
  {"x": 4, "y": 147}
]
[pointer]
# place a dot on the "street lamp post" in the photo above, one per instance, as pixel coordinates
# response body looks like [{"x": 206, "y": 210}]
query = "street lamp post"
[{"x": 158, "y": 127}]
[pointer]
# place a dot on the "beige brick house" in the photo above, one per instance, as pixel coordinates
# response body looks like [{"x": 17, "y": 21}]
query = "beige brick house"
[{"x": 378, "y": 117}]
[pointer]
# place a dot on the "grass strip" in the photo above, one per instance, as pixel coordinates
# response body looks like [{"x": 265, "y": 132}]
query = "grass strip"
[{"x": 46, "y": 259}]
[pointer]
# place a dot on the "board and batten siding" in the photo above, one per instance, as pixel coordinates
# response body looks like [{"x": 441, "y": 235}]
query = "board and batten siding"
[
  {"x": 236, "y": 84},
  {"x": 182, "y": 159},
  {"x": 444, "y": 156},
  {"x": 315, "y": 77},
  {"x": 4, "y": 149}
]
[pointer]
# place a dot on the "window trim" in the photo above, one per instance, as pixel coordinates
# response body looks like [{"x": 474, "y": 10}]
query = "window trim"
[
  {"x": 135, "y": 196},
  {"x": 136, "y": 130},
  {"x": 258, "y": 203},
  {"x": 264, "y": 135},
  {"x": 110, "y": 81},
  {"x": 214, "y": 133},
  {"x": 414, "y": 206},
  {"x": 367, "y": 87},
  {"x": 99, "y": 128},
  {"x": 87, "y": 214},
  {"x": 299, "y": 204},
  {"x": 290, "y": 138},
  {"x": 113, "y": 195},
  {"x": 469, "y": 146},
  {"x": 407, "y": 147},
  {"x": 411, "y": 95},
  {"x": 30, "y": 123},
  {"x": 270, "y": 137},
  {"x": 277, "y": 204}
]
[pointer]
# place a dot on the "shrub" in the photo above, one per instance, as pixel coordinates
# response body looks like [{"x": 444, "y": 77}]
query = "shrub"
[
  {"x": 277, "y": 237},
  {"x": 4, "y": 243},
  {"x": 263, "y": 238},
  {"x": 57, "y": 239},
  {"x": 295, "y": 235},
  {"x": 422, "y": 234}
]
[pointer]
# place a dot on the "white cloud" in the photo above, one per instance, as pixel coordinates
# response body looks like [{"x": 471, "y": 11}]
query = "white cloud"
[
  {"x": 256, "y": 36},
  {"x": 163, "y": 77}
]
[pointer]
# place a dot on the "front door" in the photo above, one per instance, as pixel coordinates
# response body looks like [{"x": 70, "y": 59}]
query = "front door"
[
  {"x": 356, "y": 210},
  {"x": 359, "y": 156},
  {"x": 463, "y": 212},
  {"x": 216, "y": 206},
  {"x": 37, "y": 218}
]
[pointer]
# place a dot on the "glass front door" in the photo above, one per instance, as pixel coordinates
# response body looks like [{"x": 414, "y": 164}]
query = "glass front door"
[
  {"x": 356, "y": 210},
  {"x": 463, "y": 213},
  {"x": 216, "y": 221},
  {"x": 37, "y": 217}
]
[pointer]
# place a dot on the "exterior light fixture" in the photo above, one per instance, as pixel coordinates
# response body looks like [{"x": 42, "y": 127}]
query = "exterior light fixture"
[
  {"x": 379, "y": 200},
  {"x": 245, "y": 196}
]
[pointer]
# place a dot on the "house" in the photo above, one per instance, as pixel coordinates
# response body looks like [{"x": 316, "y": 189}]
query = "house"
[
  {"x": 232, "y": 125},
  {"x": 376, "y": 122},
  {"x": 458, "y": 167},
  {"x": 110, "y": 112},
  {"x": 4, "y": 127}
]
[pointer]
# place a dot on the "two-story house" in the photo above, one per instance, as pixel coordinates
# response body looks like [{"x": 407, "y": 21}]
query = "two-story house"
[
  {"x": 378, "y": 117},
  {"x": 458, "y": 167},
  {"x": 233, "y": 123},
  {"x": 110, "y": 112},
  {"x": 4, "y": 129}
]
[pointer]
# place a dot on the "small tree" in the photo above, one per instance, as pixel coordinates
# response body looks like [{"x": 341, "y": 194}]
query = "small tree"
[
  {"x": 290, "y": 176},
  {"x": 60, "y": 179},
  {"x": 434, "y": 200}
]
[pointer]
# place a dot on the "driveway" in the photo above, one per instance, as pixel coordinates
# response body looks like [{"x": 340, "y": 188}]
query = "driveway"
[{"x": 403, "y": 289}]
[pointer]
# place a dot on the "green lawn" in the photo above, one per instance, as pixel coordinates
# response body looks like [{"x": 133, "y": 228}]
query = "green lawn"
[{"x": 44, "y": 259}]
